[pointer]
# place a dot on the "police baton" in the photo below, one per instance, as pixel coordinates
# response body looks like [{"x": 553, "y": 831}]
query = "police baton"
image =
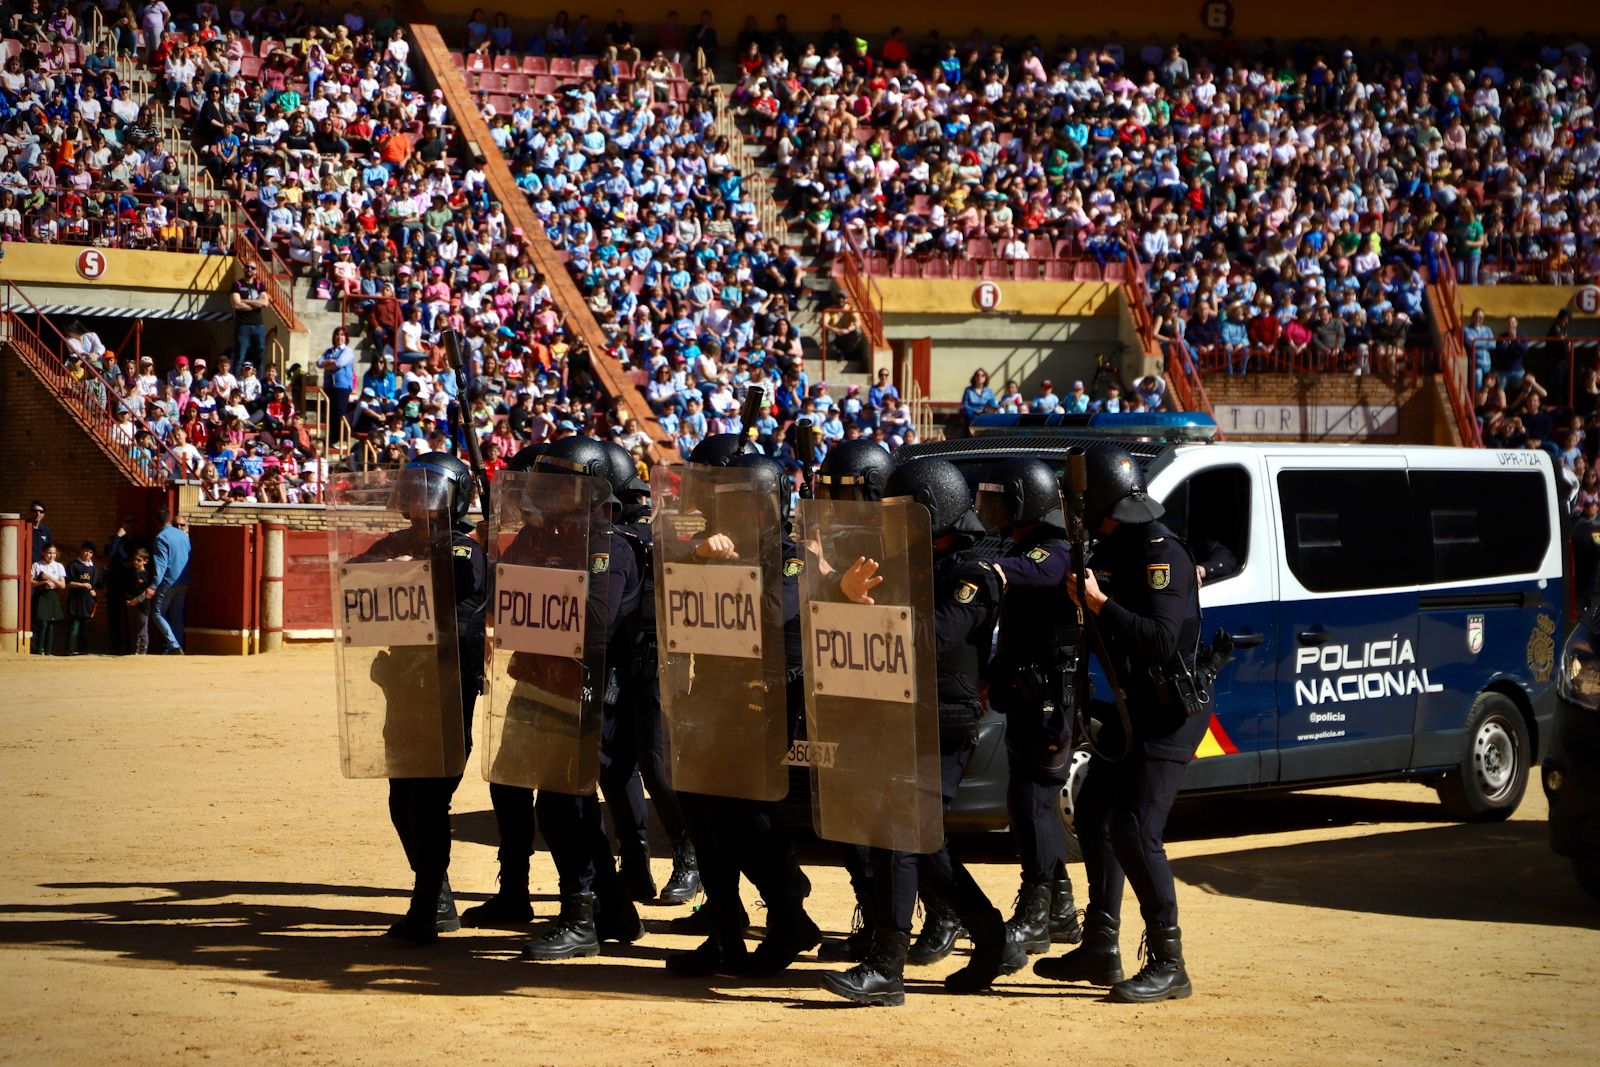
[
  {"x": 452, "y": 352},
  {"x": 1088, "y": 625},
  {"x": 805, "y": 450},
  {"x": 755, "y": 401}
]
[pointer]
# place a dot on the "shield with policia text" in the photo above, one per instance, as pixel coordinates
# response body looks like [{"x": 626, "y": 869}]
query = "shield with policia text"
[
  {"x": 718, "y": 540},
  {"x": 872, "y": 712},
  {"x": 397, "y": 665},
  {"x": 547, "y": 614}
]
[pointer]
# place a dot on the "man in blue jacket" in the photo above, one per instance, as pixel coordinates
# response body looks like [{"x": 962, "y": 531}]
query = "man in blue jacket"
[{"x": 170, "y": 587}]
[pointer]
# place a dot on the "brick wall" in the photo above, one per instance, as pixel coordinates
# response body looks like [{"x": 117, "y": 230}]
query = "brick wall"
[
  {"x": 1423, "y": 416},
  {"x": 45, "y": 454}
]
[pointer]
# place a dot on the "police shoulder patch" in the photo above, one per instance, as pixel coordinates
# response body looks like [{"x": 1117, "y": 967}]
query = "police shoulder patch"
[
  {"x": 1594, "y": 535},
  {"x": 462, "y": 551},
  {"x": 599, "y": 563},
  {"x": 1038, "y": 555},
  {"x": 966, "y": 592},
  {"x": 1160, "y": 575},
  {"x": 793, "y": 567}
]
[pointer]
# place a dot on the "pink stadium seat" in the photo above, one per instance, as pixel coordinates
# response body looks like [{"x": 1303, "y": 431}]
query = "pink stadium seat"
[
  {"x": 1116, "y": 272},
  {"x": 560, "y": 65},
  {"x": 490, "y": 82},
  {"x": 964, "y": 268},
  {"x": 544, "y": 85},
  {"x": 997, "y": 270},
  {"x": 518, "y": 83},
  {"x": 936, "y": 267},
  {"x": 476, "y": 62},
  {"x": 506, "y": 64},
  {"x": 1039, "y": 248},
  {"x": 586, "y": 67},
  {"x": 1057, "y": 270},
  {"x": 534, "y": 65},
  {"x": 1086, "y": 271},
  {"x": 459, "y": 59},
  {"x": 905, "y": 267},
  {"x": 979, "y": 248}
]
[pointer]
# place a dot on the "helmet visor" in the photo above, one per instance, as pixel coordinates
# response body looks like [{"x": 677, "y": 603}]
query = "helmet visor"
[
  {"x": 418, "y": 492},
  {"x": 990, "y": 506}
]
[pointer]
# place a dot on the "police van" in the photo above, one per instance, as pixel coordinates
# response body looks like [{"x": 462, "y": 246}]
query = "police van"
[{"x": 1395, "y": 610}]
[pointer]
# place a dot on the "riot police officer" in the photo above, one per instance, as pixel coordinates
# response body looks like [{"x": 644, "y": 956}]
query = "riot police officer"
[
  {"x": 966, "y": 597},
  {"x": 513, "y": 816},
  {"x": 854, "y": 470},
  {"x": 1030, "y": 684},
  {"x": 595, "y": 905},
  {"x": 1586, "y": 556},
  {"x": 636, "y": 745},
  {"x": 1144, "y": 598},
  {"x": 736, "y": 835},
  {"x": 419, "y": 808}
]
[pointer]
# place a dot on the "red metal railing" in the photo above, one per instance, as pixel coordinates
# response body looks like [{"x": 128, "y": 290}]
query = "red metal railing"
[
  {"x": 44, "y": 349},
  {"x": 865, "y": 296},
  {"x": 1454, "y": 365},
  {"x": 1216, "y": 359}
]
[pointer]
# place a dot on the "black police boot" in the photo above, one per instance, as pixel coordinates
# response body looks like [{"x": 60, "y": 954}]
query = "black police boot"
[
  {"x": 993, "y": 954},
  {"x": 426, "y": 914},
  {"x": 508, "y": 907},
  {"x": 790, "y": 932},
  {"x": 572, "y": 933},
  {"x": 852, "y": 948},
  {"x": 722, "y": 952},
  {"x": 635, "y": 871},
  {"x": 940, "y": 928},
  {"x": 1163, "y": 976},
  {"x": 616, "y": 919},
  {"x": 1029, "y": 925},
  {"x": 698, "y": 921},
  {"x": 1065, "y": 929},
  {"x": 445, "y": 919},
  {"x": 1097, "y": 961},
  {"x": 684, "y": 884},
  {"x": 878, "y": 979}
]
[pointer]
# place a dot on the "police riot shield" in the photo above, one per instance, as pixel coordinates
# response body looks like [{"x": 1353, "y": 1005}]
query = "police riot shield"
[
  {"x": 872, "y": 711},
  {"x": 541, "y": 729},
  {"x": 397, "y": 665},
  {"x": 718, "y": 540}
]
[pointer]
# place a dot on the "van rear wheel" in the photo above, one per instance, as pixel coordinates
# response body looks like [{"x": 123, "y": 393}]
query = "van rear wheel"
[{"x": 1489, "y": 783}]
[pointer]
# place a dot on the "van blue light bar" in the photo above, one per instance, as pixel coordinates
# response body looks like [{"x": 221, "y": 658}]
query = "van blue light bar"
[{"x": 1171, "y": 425}]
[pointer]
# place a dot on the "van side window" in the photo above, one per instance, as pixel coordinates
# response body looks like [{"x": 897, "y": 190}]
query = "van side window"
[
  {"x": 1347, "y": 530},
  {"x": 1210, "y": 510},
  {"x": 1479, "y": 524}
]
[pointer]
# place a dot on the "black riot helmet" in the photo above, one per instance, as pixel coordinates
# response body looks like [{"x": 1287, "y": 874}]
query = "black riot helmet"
[
  {"x": 938, "y": 485},
  {"x": 435, "y": 482},
  {"x": 718, "y": 449},
  {"x": 527, "y": 457},
  {"x": 1116, "y": 489},
  {"x": 576, "y": 455},
  {"x": 782, "y": 484},
  {"x": 1020, "y": 492},
  {"x": 623, "y": 474},
  {"x": 854, "y": 470}
]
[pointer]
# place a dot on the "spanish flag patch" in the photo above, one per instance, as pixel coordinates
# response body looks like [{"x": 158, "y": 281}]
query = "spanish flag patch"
[
  {"x": 965, "y": 592},
  {"x": 1160, "y": 575},
  {"x": 599, "y": 563},
  {"x": 793, "y": 567}
]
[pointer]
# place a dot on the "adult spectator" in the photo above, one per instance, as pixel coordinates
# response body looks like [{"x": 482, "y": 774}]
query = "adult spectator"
[
  {"x": 338, "y": 365},
  {"x": 42, "y": 537},
  {"x": 1478, "y": 336},
  {"x": 169, "y": 583},
  {"x": 977, "y": 397},
  {"x": 249, "y": 299}
]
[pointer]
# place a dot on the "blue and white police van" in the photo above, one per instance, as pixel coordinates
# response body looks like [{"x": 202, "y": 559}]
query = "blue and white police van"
[{"x": 1396, "y": 610}]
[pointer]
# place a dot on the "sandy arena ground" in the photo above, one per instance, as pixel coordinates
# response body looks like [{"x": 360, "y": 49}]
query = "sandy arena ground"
[{"x": 187, "y": 877}]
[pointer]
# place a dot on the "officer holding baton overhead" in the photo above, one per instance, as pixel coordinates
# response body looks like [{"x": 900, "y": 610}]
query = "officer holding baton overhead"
[{"x": 1142, "y": 606}]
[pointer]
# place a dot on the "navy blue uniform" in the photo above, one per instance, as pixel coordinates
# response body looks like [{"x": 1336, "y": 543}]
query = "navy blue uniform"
[
  {"x": 573, "y": 825},
  {"x": 734, "y": 835},
  {"x": 635, "y": 743},
  {"x": 966, "y": 602},
  {"x": 1151, "y": 620},
  {"x": 1038, "y": 628},
  {"x": 419, "y": 808}
]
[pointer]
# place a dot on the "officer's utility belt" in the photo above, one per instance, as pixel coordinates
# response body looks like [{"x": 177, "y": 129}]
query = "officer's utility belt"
[
  {"x": 958, "y": 721},
  {"x": 1178, "y": 685}
]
